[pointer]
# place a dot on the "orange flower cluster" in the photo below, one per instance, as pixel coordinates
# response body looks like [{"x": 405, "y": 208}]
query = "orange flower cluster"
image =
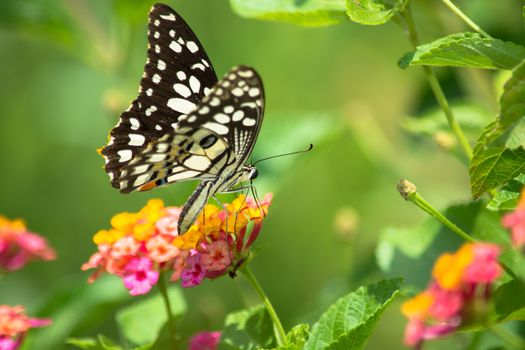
[
  {"x": 14, "y": 323},
  {"x": 18, "y": 246},
  {"x": 139, "y": 246},
  {"x": 457, "y": 279}
]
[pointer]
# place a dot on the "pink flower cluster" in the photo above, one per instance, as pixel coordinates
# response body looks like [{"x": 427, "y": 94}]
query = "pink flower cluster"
[
  {"x": 515, "y": 221},
  {"x": 460, "y": 288},
  {"x": 205, "y": 341},
  {"x": 139, "y": 246},
  {"x": 18, "y": 246},
  {"x": 14, "y": 324}
]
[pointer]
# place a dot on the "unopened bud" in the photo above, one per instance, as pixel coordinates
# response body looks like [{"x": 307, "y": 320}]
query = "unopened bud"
[
  {"x": 406, "y": 188},
  {"x": 445, "y": 140},
  {"x": 346, "y": 223}
]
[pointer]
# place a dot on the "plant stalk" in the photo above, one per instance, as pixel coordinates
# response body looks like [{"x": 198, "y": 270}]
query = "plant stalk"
[
  {"x": 465, "y": 18},
  {"x": 511, "y": 339},
  {"x": 165, "y": 297},
  {"x": 280, "y": 334},
  {"x": 436, "y": 87}
]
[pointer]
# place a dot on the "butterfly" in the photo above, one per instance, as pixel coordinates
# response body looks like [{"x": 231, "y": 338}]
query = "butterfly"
[{"x": 185, "y": 124}]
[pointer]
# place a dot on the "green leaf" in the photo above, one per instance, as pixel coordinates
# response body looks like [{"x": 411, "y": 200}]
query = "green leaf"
[
  {"x": 499, "y": 155},
  {"x": 107, "y": 344},
  {"x": 141, "y": 322},
  {"x": 348, "y": 323},
  {"x": 466, "y": 50},
  {"x": 471, "y": 116},
  {"x": 507, "y": 197},
  {"x": 511, "y": 121},
  {"x": 84, "y": 343},
  {"x": 373, "y": 12},
  {"x": 296, "y": 338},
  {"x": 412, "y": 242},
  {"x": 515, "y": 260},
  {"x": 313, "y": 13},
  {"x": 509, "y": 300},
  {"x": 101, "y": 343},
  {"x": 248, "y": 329}
]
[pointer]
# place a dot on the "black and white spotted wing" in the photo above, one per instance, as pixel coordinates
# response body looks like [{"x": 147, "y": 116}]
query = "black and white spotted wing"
[
  {"x": 177, "y": 76},
  {"x": 209, "y": 143}
]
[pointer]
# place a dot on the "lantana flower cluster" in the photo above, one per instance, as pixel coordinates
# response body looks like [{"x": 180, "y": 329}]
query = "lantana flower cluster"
[
  {"x": 515, "y": 221},
  {"x": 18, "y": 246},
  {"x": 139, "y": 246},
  {"x": 461, "y": 288},
  {"x": 14, "y": 324}
]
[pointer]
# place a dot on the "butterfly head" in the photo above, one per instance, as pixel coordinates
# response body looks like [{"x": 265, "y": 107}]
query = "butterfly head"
[{"x": 249, "y": 173}]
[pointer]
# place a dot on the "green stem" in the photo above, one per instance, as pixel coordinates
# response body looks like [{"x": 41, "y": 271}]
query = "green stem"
[
  {"x": 280, "y": 335},
  {"x": 409, "y": 191},
  {"x": 509, "y": 338},
  {"x": 436, "y": 87},
  {"x": 165, "y": 297},
  {"x": 465, "y": 18},
  {"x": 418, "y": 200}
]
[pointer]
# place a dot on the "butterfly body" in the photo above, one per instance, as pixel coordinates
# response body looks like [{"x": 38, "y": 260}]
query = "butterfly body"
[{"x": 185, "y": 124}]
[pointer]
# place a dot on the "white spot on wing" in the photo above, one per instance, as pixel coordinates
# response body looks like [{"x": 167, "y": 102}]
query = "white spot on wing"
[
  {"x": 254, "y": 92},
  {"x": 197, "y": 162},
  {"x": 134, "y": 123},
  {"x": 195, "y": 84},
  {"x": 238, "y": 115},
  {"x": 161, "y": 65},
  {"x": 170, "y": 17},
  {"x": 141, "y": 179},
  {"x": 124, "y": 154},
  {"x": 245, "y": 74},
  {"x": 136, "y": 140},
  {"x": 184, "y": 175},
  {"x": 248, "y": 122},
  {"x": 175, "y": 46},
  {"x": 182, "y": 90},
  {"x": 221, "y": 118},
  {"x": 217, "y": 128},
  {"x": 157, "y": 158},
  {"x": 156, "y": 78},
  {"x": 150, "y": 110},
  {"x": 140, "y": 169},
  {"x": 181, "y": 75},
  {"x": 237, "y": 92},
  {"x": 192, "y": 46},
  {"x": 162, "y": 147},
  {"x": 199, "y": 66},
  {"x": 181, "y": 105}
]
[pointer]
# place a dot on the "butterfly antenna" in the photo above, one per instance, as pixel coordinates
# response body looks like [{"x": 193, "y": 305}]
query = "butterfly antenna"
[
  {"x": 237, "y": 215},
  {"x": 256, "y": 198},
  {"x": 286, "y": 154}
]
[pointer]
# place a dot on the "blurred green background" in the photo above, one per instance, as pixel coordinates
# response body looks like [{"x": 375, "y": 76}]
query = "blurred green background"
[{"x": 68, "y": 67}]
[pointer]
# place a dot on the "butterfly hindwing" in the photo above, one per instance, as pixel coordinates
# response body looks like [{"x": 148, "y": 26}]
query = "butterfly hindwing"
[
  {"x": 219, "y": 134},
  {"x": 233, "y": 111},
  {"x": 177, "y": 76}
]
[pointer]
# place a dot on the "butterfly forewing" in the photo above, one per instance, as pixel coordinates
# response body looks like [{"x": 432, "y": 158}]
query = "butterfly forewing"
[{"x": 177, "y": 75}]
